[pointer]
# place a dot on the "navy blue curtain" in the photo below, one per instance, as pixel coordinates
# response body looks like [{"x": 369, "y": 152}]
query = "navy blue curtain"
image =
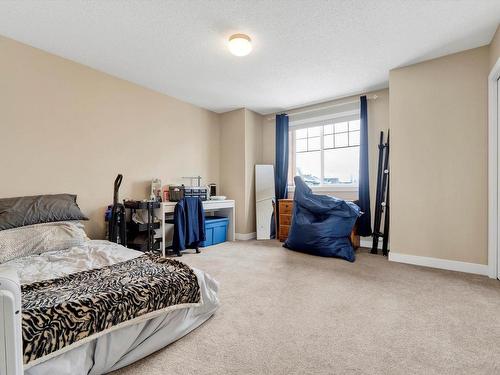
[
  {"x": 365, "y": 221},
  {"x": 281, "y": 162}
]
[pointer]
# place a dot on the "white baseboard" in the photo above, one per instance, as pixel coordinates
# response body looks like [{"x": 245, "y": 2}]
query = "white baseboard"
[
  {"x": 368, "y": 242},
  {"x": 445, "y": 264},
  {"x": 245, "y": 236}
]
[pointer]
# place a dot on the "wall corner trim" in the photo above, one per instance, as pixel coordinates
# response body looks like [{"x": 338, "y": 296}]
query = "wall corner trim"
[
  {"x": 493, "y": 188},
  {"x": 445, "y": 264},
  {"x": 245, "y": 236}
]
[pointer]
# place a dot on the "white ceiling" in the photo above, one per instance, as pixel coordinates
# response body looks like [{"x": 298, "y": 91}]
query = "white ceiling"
[{"x": 304, "y": 51}]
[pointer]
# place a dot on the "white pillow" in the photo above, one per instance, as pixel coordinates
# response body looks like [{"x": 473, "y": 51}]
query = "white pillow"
[{"x": 40, "y": 238}]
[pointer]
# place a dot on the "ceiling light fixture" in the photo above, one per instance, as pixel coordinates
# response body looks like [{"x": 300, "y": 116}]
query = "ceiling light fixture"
[{"x": 240, "y": 44}]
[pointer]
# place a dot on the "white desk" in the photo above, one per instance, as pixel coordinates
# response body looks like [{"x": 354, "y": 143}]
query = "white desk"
[{"x": 222, "y": 208}]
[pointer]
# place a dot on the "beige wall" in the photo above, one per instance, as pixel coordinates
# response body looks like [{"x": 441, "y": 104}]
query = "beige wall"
[
  {"x": 241, "y": 149},
  {"x": 67, "y": 128},
  {"x": 232, "y": 162},
  {"x": 495, "y": 48},
  {"x": 253, "y": 155},
  {"x": 438, "y": 116},
  {"x": 268, "y": 140},
  {"x": 378, "y": 120}
]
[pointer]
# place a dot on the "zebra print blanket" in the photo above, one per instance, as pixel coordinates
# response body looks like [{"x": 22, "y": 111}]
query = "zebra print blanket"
[{"x": 61, "y": 312}]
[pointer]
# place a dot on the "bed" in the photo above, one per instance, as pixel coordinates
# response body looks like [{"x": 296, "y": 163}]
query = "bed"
[{"x": 92, "y": 306}]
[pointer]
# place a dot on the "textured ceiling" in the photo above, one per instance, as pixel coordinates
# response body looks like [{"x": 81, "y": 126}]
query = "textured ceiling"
[{"x": 304, "y": 51}]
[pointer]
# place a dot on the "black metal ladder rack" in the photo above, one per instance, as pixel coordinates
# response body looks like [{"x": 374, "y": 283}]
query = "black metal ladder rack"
[{"x": 382, "y": 197}]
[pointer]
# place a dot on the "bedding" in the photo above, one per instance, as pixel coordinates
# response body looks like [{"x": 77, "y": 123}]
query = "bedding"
[
  {"x": 40, "y": 238},
  {"x": 129, "y": 344},
  {"x": 60, "y": 312},
  {"x": 116, "y": 347},
  {"x": 22, "y": 211},
  {"x": 58, "y": 263}
]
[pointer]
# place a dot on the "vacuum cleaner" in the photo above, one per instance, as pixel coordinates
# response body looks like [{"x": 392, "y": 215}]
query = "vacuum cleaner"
[{"x": 117, "y": 227}]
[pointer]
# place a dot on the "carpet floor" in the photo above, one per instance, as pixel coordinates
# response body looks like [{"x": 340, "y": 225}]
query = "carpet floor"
[{"x": 284, "y": 312}]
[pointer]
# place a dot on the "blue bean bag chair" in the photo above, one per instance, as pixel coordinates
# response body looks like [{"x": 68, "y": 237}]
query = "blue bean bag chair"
[{"x": 321, "y": 225}]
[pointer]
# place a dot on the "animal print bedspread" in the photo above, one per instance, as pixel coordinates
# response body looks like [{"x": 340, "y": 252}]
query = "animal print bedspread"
[{"x": 60, "y": 312}]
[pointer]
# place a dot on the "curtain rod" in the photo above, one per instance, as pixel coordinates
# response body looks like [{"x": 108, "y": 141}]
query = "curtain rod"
[{"x": 372, "y": 97}]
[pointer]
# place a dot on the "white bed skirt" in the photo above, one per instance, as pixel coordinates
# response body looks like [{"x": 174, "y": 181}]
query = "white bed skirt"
[{"x": 129, "y": 344}]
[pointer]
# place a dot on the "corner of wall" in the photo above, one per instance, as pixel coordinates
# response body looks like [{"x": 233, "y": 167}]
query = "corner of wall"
[
  {"x": 494, "y": 48},
  {"x": 241, "y": 149}
]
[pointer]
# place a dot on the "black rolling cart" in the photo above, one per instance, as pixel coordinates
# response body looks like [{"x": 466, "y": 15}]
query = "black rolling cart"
[{"x": 141, "y": 236}]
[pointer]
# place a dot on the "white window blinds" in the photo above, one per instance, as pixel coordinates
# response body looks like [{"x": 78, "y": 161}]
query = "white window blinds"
[{"x": 329, "y": 114}]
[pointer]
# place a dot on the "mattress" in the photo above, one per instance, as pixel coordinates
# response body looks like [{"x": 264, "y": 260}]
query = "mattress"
[{"x": 125, "y": 345}]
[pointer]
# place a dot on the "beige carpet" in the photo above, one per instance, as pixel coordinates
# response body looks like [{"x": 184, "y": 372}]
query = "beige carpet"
[{"x": 289, "y": 313}]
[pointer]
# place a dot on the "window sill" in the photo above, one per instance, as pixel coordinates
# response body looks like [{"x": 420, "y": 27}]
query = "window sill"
[{"x": 328, "y": 189}]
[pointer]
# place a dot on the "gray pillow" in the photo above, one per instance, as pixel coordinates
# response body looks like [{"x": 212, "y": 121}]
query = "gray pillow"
[{"x": 21, "y": 211}]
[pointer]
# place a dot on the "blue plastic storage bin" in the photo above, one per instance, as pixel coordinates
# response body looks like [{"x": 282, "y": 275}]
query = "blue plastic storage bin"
[{"x": 215, "y": 230}]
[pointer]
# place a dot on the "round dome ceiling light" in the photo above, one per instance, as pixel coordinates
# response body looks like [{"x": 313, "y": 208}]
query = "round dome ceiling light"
[{"x": 240, "y": 44}]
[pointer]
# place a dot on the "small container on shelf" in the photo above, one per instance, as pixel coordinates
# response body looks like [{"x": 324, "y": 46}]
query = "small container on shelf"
[{"x": 177, "y": 192}]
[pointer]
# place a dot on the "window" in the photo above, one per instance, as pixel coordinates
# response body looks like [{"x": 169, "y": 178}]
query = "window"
[{"x": 326, "y": 155}]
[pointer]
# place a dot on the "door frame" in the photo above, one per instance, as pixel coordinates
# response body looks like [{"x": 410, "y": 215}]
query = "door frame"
[{"x": 493, "y": 173}]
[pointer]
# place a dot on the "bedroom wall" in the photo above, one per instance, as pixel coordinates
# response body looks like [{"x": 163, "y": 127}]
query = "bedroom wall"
[
  {"x": 495, "y": 48},
  {"x": 232, "y": 162},
  {"x": 253, "y": 155},
  {"x": 378, "y": 120},
  {"x": 65, "y": 127},
  {"x": 241, "y": 149},
  {"x": 438, "y": 115}
]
